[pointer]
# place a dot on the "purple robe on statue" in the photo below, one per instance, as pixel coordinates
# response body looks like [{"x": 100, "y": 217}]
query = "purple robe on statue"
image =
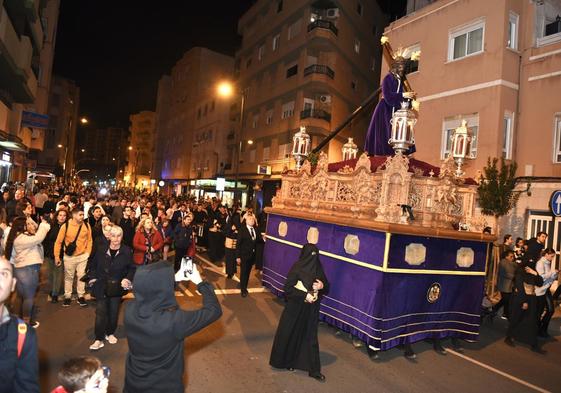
[{"x": 380, "y": 129}]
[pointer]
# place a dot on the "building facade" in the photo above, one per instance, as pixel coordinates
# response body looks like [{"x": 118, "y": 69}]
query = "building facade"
[
  {"x": 103, "y": 152},
  {"x": 27, "y": 36},
  {"x": 302, "y": 63},
  {"x": 59, "y": 151},
  {"x": 141, "y": 149},
  {"x": 496, "y": 64},
  {"x": 192, "y": 121}
]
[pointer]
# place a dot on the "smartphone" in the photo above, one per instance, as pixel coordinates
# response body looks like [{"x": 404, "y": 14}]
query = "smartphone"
[{"x": 188, "y": 263}]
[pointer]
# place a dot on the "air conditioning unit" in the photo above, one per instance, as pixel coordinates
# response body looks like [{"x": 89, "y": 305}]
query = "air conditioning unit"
[
  {"x": 325, "y": 99},
  {"x": 332, "y": 13}
]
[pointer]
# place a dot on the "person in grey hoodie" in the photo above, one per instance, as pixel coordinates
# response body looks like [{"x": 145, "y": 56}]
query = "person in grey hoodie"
[{"x": 156, "y": 328}]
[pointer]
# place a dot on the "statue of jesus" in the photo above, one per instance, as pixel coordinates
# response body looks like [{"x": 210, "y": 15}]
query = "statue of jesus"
[{"x": 379, "y": 131}]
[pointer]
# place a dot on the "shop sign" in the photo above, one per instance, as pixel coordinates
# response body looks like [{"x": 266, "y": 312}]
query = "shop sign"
[{"x": 34, "y": 120}]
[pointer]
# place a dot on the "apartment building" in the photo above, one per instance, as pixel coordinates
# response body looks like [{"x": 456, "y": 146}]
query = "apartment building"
[
  {"x": 496, "y": 64},
  {"x": 141, "y": 149},
  {"x": 192, "y": 122},
  {"x": 302, "y": 63},
  {"x": 27, "y": 36},
  {"x": 102, "y": 151},
  {"x": 59, "y": 150}
]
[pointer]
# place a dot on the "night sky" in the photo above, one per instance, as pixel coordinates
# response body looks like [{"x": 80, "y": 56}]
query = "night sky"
[{"x": 117, "y": 50}]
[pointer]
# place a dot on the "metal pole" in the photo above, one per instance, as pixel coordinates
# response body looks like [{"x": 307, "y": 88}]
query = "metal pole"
[
  {"x": 350, "y": 118},
  {"x": 242, "y": 107}
]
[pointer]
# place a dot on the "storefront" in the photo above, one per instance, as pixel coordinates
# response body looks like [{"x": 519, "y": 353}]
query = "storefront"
[
  {"x": 5, "y": 166},
  {"x": 220, "y": 188}
]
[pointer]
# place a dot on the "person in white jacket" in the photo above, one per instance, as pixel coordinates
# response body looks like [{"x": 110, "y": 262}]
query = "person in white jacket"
[
  {"x": 24, "y": 249},
  {"x": 543, "y": 294}
]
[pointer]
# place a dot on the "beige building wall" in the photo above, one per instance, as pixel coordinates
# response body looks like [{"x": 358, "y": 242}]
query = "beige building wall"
[
  {"x": 334, "y": 57},
  {"x": 509, "y": 89},
  {"x": 191, "y": 86},
  {"x": 28, "y": 52}
]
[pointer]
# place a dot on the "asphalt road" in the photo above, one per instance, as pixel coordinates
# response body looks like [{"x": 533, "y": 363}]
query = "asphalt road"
[{"x": 232, "y": 354}]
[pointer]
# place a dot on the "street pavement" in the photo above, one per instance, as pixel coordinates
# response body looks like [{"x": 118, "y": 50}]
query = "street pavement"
[{"x": 232, "y": 355}]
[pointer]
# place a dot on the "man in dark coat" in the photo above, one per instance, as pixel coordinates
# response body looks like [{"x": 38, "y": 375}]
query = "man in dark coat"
[
  {"x": 245, "y": 250},
  {"x": 19, "y": 372},
  {"x": 156, "y": 328},
  {"x": 127, "y": 224},
  {"x": 296, "y": 340}
]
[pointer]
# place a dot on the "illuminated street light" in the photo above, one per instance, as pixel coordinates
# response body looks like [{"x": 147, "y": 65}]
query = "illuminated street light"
[
  {"x": 59, "y": 146},
  {"x": 250, "y": 142},
  {"x": 225, "y": 89},
  {"x": 130, "y": 147},
  {"x": 83, "y": 150},
  {"x": 83, "y": 120}
]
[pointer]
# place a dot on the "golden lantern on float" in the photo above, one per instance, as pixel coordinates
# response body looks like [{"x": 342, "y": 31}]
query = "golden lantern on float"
[
  {"x": 350, "y": 150},
  {"x": 301, "y": 143},
  {"x": 403, "y": 122},
  {"x": 462, "y": 140}
]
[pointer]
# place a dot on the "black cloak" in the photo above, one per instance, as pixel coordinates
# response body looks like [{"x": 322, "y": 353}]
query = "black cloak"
[
  {"x": 296, "y": 341},
  {"x": 156, "y": 329}
]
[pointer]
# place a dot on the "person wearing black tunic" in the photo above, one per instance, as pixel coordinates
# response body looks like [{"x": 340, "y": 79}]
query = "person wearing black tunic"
[
  {"x": 523, "y": 321},
  {"x": 296, "y": 340}
]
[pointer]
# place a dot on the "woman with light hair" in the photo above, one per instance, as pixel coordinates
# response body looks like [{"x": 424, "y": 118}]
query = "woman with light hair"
[
  {"x": 147, "y": 243},
  {"x": 112, "y": 273}
]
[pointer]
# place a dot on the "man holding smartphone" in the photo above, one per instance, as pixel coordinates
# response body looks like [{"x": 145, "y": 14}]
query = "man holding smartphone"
[{"x": 156, "y": 327}]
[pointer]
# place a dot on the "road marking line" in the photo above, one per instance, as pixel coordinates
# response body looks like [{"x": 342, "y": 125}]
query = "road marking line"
[
  {"x": 215, "y": 268},
  {"x": 493, "y": 369},
  {"x": 232, "y": 291}
]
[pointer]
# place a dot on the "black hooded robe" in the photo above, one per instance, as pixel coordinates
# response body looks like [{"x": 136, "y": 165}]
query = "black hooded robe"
[
  {"x": 296, "y": 340},
  {"x": 156, "y": 329}
]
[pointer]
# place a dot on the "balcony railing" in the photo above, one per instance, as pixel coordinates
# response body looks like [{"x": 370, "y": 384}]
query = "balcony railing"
[
  {"x": 316, "y": 114},
  {"x": 323, "y": 24},
  {"x": 319, "y": 69}
]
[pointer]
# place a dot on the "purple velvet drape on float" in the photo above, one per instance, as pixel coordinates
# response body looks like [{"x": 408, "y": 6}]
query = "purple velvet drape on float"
[
  {"x": 380, "y": 129},
  {"x": 384, "y": 307}
]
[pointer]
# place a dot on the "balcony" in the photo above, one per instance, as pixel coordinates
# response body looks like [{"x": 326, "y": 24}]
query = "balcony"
[
  {"x": 315, "y": 114},
  {"x": 319, "y": 69},
  {"x": 323, "y": 24}
]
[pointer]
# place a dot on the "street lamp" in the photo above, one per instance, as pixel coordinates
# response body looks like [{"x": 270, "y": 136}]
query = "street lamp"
[
  {"x": 83, "y": 120},
  {"x": 226, "y": 89},
  {"x": 65, "y": 158}
]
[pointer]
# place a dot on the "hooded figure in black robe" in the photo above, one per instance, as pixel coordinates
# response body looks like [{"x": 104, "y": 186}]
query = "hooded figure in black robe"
[
  {"x": 296, "y": 341},
  {"x": 523, "y": 321},
  {"x": 156, "y": 329}
]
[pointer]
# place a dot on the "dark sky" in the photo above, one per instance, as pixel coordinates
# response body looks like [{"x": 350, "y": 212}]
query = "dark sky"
[{"x": 117, "y": 50}]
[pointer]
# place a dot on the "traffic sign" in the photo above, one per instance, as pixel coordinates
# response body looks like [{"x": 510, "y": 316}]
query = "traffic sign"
[{"x": 555, "y": 203}]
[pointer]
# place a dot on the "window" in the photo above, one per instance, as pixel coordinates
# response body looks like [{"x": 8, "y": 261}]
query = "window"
[
  {"x": 276, "y": 42},
  {"x": 255, "y": 121},
  {"x": 206, "y": 110},
  {"x": 248, "y": 62},
  {"x": 373, "y": 64},
  {"x": 466, "y": 41},
  {"x": 512, "y": 37},
  {"x": 279, "y": 6},
  {"x": 269, "y": 118},
  {"x": 261, "y": 52},
  {"x": 284, "y": 150},
  {"x": 557, "y": 145},
  {"x": 292, "y": 71},
  {"x": 252, "y": 156},
  {"x": 507, "y": 135},
  {"x": 266, "y": 151},
  {"x": 359, "y": 8},
  {"x": 287, "y": 110},
  {"x": 294, "y": 29},
  {"x": 448, "y": 127},
  {"x": 357, "y": 45},
  {"x": 354, "y": 85},
  {"x": 212, "y": 105}
]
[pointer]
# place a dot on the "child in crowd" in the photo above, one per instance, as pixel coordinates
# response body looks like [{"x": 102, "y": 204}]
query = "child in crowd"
[{"x": 83, "y": 374}]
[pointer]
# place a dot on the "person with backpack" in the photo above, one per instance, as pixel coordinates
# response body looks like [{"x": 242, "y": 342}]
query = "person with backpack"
[
  {"x": 75, "y": 240},
  {"x": 19, "y": 364}
]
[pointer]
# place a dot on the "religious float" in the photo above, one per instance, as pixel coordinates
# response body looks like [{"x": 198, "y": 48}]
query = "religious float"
[{"x": 400, "y": 241}]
